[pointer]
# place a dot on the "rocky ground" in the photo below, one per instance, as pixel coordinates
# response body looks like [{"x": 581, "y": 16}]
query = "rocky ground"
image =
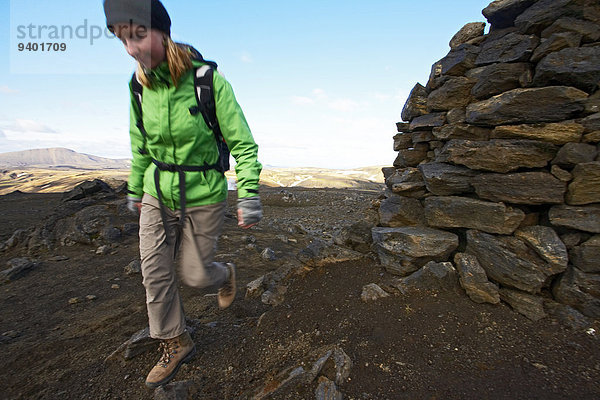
[{"x": 64, "y": 319}]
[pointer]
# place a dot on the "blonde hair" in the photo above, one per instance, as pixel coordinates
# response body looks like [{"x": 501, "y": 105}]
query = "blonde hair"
[{"x": 179, "y": 59}]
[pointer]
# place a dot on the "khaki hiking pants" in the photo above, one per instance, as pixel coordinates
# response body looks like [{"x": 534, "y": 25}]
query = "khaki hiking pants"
[{"x": 196, "y": 266}]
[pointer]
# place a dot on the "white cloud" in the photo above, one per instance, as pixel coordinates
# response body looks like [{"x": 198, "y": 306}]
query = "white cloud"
[
  {"x": 343, "y": 105},
  {"x": 302, "y": 100},
  {"x": 7, "y": 90},
  {"x": 319, "y": 93},
  {"x": 27, "y": 125},
  {"x": 246, "y": 58}
]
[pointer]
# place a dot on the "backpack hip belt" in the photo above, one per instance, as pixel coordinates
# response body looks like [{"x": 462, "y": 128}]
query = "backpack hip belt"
[{"x": 181, "y": 170}]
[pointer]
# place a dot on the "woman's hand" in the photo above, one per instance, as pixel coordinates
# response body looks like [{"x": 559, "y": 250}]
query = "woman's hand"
[
  {"x": 134, "y": 204},
  {"x": 249, "y": 211}
]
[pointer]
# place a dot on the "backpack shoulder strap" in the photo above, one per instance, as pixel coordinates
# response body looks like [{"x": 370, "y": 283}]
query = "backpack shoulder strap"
[
  {"x": 138, "y": 89},
  {"x": 205, "y": 98}
]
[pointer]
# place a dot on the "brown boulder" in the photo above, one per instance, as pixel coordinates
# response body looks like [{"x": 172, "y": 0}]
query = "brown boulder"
[
  {"x": 522, "y": 106},
  {"x": 554, "y": 132},
  {"x": 578, "y": 67},
  {"x": 498, "y": 155},
  {"x": 513, "y": 47},
  {"x": 502, "y": 13},
  {"x": 499, "y": 78},
  {"x": 463, "y": 212},
  {"x": 468, "y": 32},
  {"x": 520, "y": 188},
  {"x": 585, "y": 187}
]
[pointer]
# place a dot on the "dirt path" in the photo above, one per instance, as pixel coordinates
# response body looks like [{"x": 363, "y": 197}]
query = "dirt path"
[{"x": 425, "y": 346}]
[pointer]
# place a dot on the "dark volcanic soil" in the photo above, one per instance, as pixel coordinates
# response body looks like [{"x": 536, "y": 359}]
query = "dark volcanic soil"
[{"x": 423, "y": 346}]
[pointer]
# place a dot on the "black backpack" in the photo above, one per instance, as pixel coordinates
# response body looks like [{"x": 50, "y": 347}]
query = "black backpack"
[{"x": 203, "y": 85}]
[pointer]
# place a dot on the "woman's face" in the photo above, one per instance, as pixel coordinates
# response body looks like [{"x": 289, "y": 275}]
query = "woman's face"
[{"x": 145, "y": 46}]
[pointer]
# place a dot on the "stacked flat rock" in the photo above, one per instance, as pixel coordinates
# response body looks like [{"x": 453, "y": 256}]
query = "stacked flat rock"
[{"x": 498, "y": 160}]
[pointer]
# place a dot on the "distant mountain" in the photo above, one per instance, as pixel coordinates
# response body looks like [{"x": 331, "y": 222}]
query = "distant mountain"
[{"x": 59, "y": 158}]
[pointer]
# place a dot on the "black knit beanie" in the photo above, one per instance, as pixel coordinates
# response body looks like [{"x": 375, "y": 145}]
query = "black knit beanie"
[{"x": 149, "y": 13}]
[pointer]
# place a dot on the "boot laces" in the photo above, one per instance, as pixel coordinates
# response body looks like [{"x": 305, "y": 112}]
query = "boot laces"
[{"x": 168, "y": 348}]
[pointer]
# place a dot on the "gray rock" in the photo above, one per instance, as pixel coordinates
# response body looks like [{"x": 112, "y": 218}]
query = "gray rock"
[
  {"x": 89, "y": 188},
  {"x": 456, "y": 63},
  {"x": 444, "y": 179},
  {"x": 327, "y": 390},
  {"x": 587, "y": 30},
  {"x": 268, "y": 254},
  {"x": 407, "y": 182},
  {"x": 567, "y": 315},
  {"x": 579, "y": 290},
  {"x": 474, "y": 280},
  {"x": 461, "y": 131},
  {"x": 416, "y": 104},
  {"x": 432, "y": 276},
  {"x": 534, "y": 105},
  {"x": 520, "y": 188},
  {"x": 130, "y": 229},
  {"x": 403, "y": 126},
  {"x": 578, "y": 67},
  {"x": 456, "y": 116},
  {"x": 498, "y": 78},
  {"x": 497, "y": 155},
  {"x": 591, "y": 123},
  {"x": 140, "y": 342},
  {"x": 508, "y": 261},
  {"x": 356, "y": 236},
  {"x": 428, "y": 121},
  {"x": 547, "y": 244},
  {"x": 111, "y": 234},
  {"x": 396, "y": 211},
  {"x": 421, "y": 137},
  {"x": 561, "y": 174},
  {"x": 572, "y": 154},
  {"x": 584, "y": 218},
  {"x": 274, "y": 296},
  {"x": 556, "y": 42},
  {"x": 454, "y": 93},
  {"x": 134, "y": 267},
  {"x": 585, "y": 187},
  {"x": 468, "y": 32},
  {"x": 319, "y": 253},
  {"x": 181, "y": 390},
  {"x": 572, "y": 239},
  {"x": 404, "y": 250},
  {"x": 544, "y": 13},
  {"x": 402, "y": 141},
  {"x": 592, "y": 104},
  {"x": 17, "y": 268},
  {"x": 502, "y": 13},
  {"x": 530, "y": 306},
  {"x": 513, "y": 47},
  {"x": 19, "y": 237},
  {"x": 255, "y": 288},
  {"x": 335, "y": 365},
  {"x": 462, "y": 212},
  {"x": 372, "y": 292},
  {"x": 411, "y": 157},
  {"x": 586, "y": 257},
  {"x": 555, "y": 132}
]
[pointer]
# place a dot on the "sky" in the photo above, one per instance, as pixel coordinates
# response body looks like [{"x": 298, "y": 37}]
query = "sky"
[{"x": 321, "y": 82}]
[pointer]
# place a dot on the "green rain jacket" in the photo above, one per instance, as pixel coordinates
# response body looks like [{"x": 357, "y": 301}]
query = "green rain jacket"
[{"x": 175, "y": 136}]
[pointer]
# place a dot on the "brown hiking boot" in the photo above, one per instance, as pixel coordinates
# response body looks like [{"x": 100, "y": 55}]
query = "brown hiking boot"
[
  {"x": 175, "y": 351},
  {"x": 226, "y": 293}
]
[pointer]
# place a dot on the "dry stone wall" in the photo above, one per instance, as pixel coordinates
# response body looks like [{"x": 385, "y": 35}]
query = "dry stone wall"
[{"x": 498, "y": 165}]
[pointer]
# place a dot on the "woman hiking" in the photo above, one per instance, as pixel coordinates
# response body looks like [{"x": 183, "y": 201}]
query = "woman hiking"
[{"x": 177, "y": 180}]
